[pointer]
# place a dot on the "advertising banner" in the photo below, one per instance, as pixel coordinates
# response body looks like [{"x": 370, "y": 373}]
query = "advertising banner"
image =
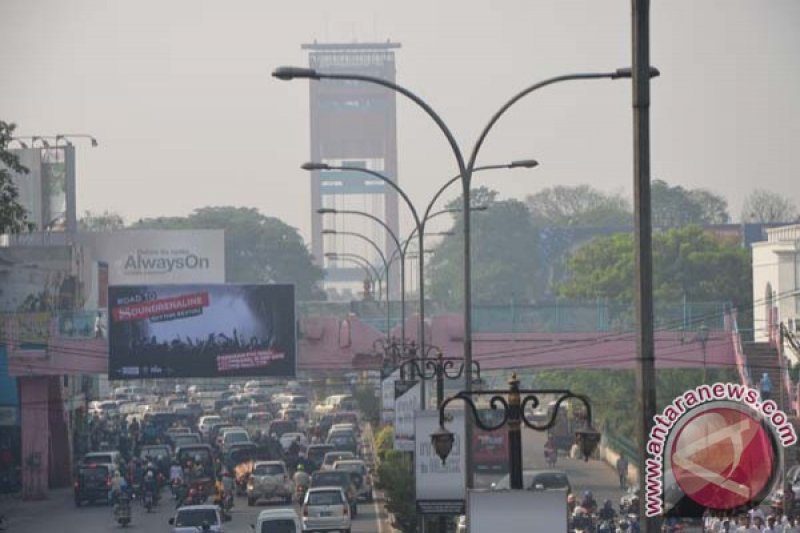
[
  {"x": 406, "y": 402},
  {"x": 516, "y": 511},
  {"x": 33, "y": 331},
  {"x": 441, "y": 488},
  {"x": 201, "y": 331},
  {"x": 81, "y": 324}
]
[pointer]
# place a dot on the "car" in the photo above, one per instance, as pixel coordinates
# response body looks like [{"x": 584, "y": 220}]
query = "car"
[
  {"x": 109, "y": 457},
  {"x": 341, "y": 480},
  {"x": 214, "y": 432},
  {"x": 326, "y": 509},
  {"x": 298, "y": 401},
  {"x": 346, "y": 417},
  {"x": 234, "y": 436},
  {"x": 288, "y": 438},
  {"x": 279, "y": 427},
  {"x": 295, "y": 415},
  {"x": 93, "y": 482},
  {"x": 538, "y": 480},
  {"x": 316, "y": 453},
  {"x": 159, "y": 454},
  {"x": 343, "y": 440},
  {"x": 205, "y": 422},
  {"x": 193, "y": 518},
  {"x": 337, "y": 455},
  {"x": 269, "y": 480},
  {"x": 361, "y": 477},
  {"x": 278, "y": 521},
  {"x": 185, "y": 439}
]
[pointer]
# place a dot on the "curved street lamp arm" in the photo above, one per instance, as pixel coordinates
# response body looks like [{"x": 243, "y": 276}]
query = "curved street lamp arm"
[
  {"x": 359, "y": 260},
  {"x": 389, "y": 182},
  {"x": 450, "y": 182},
  {"x": 368, "y": 240},
  {"x": 417, "y": 100},
  {"x": 374, "y": 219},
  {"x": 500, "y": 112}
]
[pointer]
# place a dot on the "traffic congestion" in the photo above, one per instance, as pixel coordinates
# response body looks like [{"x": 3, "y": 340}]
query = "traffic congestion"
[{"x": 202, "y": 451}]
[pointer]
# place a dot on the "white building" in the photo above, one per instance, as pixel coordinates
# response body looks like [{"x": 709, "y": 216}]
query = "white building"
[{"x": 776, "y": 282}]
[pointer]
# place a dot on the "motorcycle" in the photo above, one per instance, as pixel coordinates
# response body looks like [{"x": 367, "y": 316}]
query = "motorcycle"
[
  {"x": 149, "y": 501},
  {"x": 300, "y": 493},
  {"x": 122, "y": 511}
]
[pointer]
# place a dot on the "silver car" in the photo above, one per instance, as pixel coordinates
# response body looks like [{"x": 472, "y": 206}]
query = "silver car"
[
  {"x": 269, "y": 480},
  {"x": 326, "y": 509}
]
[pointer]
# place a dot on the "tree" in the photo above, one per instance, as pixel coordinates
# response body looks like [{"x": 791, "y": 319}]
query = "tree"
[
  {"x": 504, "y": 255},
  {"x": 13, "y": 215},
  {"x": 578, "y": 206},
  {"x": 675, "y": 206},
  {"x": 766, "y": 207},
  {"x": 687, "y": 262},
  {"x": 105, "y": 221},
  {"x": 258, "y": 249}
]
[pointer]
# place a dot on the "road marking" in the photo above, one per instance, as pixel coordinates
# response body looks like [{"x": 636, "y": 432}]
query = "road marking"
[{"x": 378, "y": 516}]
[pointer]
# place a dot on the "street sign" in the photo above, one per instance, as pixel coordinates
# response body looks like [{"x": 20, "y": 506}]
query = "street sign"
[
  {"x": 440, "y": 488},
  {"x": 406, "y": 402}
]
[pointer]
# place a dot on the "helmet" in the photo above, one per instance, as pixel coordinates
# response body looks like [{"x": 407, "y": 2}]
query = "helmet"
[
  {"x": 587, "y": 494},
  {"x": 197, "y": 458},
  {"x": 300, "y": 468},
  {"x": 149, "y": 475}
]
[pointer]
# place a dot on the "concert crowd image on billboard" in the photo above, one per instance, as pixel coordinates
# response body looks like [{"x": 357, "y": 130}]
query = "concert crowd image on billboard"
[{"x": 201, "y": 331}]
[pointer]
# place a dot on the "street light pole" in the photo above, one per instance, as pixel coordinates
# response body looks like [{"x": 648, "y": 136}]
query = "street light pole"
[
  {"x": 360, "y": 260},
  {"x": 386, "y": 265},
  {"x": 331, "y": 211},
  {"x": 464, "y": 170}
]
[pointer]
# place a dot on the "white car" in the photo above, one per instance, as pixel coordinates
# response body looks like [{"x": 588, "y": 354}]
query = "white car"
[
  {"x": 326, "y": 509},
  {"x": 269, "y": 480},
  {"x": 205, "y": 423},
  {"x": 288, "y": 438},
  {"x": 279, "y": 521},
  {"x": 192, "y": 518}
]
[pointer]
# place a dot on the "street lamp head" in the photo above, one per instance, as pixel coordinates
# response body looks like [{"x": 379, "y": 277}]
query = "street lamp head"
[
  {"x": 43, "y": 141},
  {"x": 627, "y": 73},
  {"x": 442, "y": 441},
  {"x": 587, "y": 439},
  {"x": 326, "y": 211},
  {"x": 524, "y": 163},
  {"x": 312, "y": 165},
  {"x": 67, "y": 142},
  {"x": 290, "y": 73},
  {"x": 94, "y": 142}
]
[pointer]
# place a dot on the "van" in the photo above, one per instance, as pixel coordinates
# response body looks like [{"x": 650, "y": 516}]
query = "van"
[{"x": 283, "y": 520}]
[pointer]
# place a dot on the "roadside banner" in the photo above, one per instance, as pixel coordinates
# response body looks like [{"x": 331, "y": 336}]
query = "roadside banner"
[
  {"x": 516, "y": 511},
  {"x": 406, "y": 402},
  {"x": 387, "y": 396},
  {"x": 440, "y": 488}
]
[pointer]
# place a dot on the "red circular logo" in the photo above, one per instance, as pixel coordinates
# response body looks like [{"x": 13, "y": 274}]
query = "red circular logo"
[{"x": 723, "y": 458}]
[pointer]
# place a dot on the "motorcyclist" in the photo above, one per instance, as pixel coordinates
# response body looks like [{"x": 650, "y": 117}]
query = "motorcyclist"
[
  {"x": 301, "y": 478},
  {"x": 151, "y": 485},
  {"x": 607, "y": 512},
  {"x": 228, "y": 484},
  {"x": 571, "y": 503},
  {"x": 118, "y": 486},
  {"x": 198, "y": 470},
  {"x": 588, "y": 502},
  {"x": 123, "y": 506}
]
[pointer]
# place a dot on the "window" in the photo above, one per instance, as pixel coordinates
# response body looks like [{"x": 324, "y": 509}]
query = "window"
[
  {"x": 329, "y": 497},
  {"x": 278, "y": 526},
  {"x": 268, "y": 470},
  {"x": 196, "y": 518}
]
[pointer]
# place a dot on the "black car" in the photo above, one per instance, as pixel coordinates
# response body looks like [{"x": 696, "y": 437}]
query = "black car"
[
  {"x": 316, "y": 453},
  {"x": 93, "y": 483}
]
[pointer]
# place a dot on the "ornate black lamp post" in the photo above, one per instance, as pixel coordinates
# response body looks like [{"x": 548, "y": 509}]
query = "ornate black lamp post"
[
  {"x": 439, "y": 368},
  {"x": 513, "y": 403}
]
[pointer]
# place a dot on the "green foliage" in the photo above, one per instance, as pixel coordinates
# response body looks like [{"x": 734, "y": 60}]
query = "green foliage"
[
  {"x": 578, "y": 206},
  {"x": 767, "y": 207},
  {"x": 368, "y": 403},
  {"x": 384, "y": 441},
  {"x": 105, "y": 221},
  {"x": 258, "y": 249},
  {"x": 674, "y": 206},
  {"x": 612, "y": 392},
  {"x": 504, "y": 263},
  {"x": 13, "y": 215},
  {"x": 687, "y": 262},
  {"x": 396, "y": 479}
]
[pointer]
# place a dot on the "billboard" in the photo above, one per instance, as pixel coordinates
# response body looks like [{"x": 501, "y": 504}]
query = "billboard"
[
  {"x": 440, "y": 488},
  {"x": 407, "y": 397},
  {"x": 201, "y": 330},
  {"x": 516, "y": 511},
  {"x": 157, "y": 257}
]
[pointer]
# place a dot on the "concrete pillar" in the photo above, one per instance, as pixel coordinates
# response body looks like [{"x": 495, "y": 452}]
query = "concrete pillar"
[{"x": 34, "y": 410}]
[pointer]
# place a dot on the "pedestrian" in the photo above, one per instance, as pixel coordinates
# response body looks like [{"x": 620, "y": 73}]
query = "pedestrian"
[
  {"x": 98, "y": 326},
  {"x": 622, "y": 471},
  {"x": 766, "y": 387}
]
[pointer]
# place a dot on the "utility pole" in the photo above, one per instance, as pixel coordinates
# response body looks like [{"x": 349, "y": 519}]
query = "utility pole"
[{"x": 645, "y": 361}]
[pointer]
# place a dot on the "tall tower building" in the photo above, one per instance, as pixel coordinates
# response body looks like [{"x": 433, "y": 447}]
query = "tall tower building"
[{"x": 353, "y": 124}]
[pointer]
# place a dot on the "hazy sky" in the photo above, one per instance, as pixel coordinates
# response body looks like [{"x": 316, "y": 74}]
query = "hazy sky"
[{"x": 179, "y": 95}]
